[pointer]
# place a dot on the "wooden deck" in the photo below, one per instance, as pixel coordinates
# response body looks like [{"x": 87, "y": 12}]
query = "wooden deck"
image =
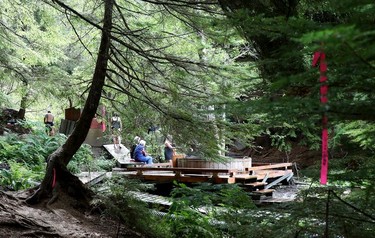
[{"x": 257, "y": 180}]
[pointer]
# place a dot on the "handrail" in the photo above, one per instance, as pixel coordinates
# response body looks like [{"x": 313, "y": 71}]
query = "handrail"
[{"x": 271, "y": 166}]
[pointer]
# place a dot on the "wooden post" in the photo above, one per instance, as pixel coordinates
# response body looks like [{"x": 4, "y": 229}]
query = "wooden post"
[{"x": 174, "y": 159}]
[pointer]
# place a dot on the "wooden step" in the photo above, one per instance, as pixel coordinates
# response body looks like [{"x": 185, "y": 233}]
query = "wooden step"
[
  {"x": 267, "y": 192},
  {"x": 255, "y": 185},
  {"x": 245, "y": 178},
  {"x": 256, "y": 195}
]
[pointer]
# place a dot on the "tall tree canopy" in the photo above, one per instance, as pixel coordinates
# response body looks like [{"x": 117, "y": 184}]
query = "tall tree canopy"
[{"x": 177, "y": 63}]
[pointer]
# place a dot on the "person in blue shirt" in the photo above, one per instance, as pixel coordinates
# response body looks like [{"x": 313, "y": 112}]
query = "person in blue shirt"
[{"x": 140, "y": 154}]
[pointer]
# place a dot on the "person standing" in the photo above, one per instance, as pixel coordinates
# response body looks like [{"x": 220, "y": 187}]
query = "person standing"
[
  {"x": 168, "y": 149},
  {"x": 140, "y": 154},
  {"x": 49, "y": 122},
  {"x": 116, "y": 126}
]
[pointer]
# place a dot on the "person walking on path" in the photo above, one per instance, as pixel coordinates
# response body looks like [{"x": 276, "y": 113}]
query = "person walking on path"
[
  {"x": 49, "y": 122},
  {"x": 116, "y": 126}
]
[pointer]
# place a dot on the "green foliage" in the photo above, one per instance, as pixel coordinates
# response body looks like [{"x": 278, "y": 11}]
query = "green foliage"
[
  {"x": 82, "y": 159},
  {"x": 351, "y": 199},
  {"x": 348, "y": 215},
  {"x": 26, "y": 156},
  {"x": 360, "y": 132},
  {"x": 121, "y": 204},
  {"x": 200, "y": 211},
  {"x": 206, "y": 84},
  {"x": 20, "y": 176},
  {"x": 102, "y": 164}
]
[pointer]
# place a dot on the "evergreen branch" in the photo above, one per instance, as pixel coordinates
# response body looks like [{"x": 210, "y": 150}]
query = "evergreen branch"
[
  {"x": 359, "y": 56},
  {"x": 76, "y": 33},
  {"x": 353, "y": 207}
]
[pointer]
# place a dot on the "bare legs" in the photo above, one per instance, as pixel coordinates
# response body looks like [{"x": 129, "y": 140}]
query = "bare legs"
[{"x": 117, "y": 142}]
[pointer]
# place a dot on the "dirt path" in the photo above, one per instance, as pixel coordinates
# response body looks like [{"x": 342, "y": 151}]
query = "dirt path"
[{"x": 17, "y": 219}]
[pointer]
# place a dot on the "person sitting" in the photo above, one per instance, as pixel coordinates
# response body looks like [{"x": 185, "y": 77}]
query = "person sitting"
[
  {"x": 140, "y": 154},
  {"x": 132, "y": 148}
]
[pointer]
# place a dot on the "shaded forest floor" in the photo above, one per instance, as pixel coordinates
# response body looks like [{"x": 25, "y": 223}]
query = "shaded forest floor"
[{"x": 17, "y": 219}]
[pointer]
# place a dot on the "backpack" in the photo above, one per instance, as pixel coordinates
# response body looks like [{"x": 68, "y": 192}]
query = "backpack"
[{"x": 116, "y": 124}]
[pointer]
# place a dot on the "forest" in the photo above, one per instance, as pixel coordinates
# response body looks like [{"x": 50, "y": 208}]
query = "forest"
[{"x": 274, "y": 80}]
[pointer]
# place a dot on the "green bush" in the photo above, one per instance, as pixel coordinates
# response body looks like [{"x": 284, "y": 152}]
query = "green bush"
[{"x": 26, "y": 156}]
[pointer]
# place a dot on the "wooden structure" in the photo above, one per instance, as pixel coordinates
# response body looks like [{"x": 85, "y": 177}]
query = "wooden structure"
[
  {"x": 175, "y": 157},
  {"x": 187, "y": 175},
  {"x": 122, "y": 156},
  {"x": 123, "y": 160},
  {"x": 95, "y": 135},
  {"x": 91, "y": 178},
  {"x": 67, "y": 124},
  {"x": 257, "y": 180}
]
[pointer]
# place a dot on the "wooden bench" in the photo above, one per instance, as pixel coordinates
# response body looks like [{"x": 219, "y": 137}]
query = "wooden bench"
[{"x": 193, "y": 174}]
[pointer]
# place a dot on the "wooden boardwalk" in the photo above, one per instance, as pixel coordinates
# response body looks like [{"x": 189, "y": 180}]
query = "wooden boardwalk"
[
  {"x": 91, "y": 178},
  {"x": 257, "y": 180},
  {"x": 118, "y": 154}
]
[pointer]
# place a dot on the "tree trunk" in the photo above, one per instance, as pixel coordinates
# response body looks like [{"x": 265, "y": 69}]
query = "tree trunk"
[{"x": 58, "y": 179}]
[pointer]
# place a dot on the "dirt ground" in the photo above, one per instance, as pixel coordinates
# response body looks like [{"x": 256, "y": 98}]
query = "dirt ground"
[{"x": 17, "y": 219}]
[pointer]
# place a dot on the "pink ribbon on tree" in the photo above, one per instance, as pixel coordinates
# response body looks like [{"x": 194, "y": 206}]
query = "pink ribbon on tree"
[
  {"x": 103, "y": 116},
  {"x": 320, "y": 57}
]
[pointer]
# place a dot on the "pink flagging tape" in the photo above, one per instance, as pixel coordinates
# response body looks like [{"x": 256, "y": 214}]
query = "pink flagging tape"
[
  {"x": 54, "y": 178},
  {"x": 319, "y": 56},
  {"x": 324, "y": 166}
]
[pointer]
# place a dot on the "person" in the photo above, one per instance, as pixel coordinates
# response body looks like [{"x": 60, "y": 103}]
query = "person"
[
  {"x": 132, "y": 148},
  {"x": 168, "y": 149},
  {"x": 140, "y": 154},
  {"x": 116, "y": 126},
  {"x": 48, "y": 121}
]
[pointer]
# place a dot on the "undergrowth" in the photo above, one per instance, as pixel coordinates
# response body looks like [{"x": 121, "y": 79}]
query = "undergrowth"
[
  {"x": 23, "y": 157},
  {"x": 344, "y": 208}
]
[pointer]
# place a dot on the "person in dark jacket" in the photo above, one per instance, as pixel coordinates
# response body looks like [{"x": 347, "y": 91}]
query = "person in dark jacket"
[
  {"x": 168, "y": 149},
  {"x": 132, "y": 148}
]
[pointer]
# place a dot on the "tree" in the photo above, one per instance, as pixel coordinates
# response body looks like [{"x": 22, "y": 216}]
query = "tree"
[
  {"x": 283, "y": 36},
  {"x": 31, "y": 50},
  {"x": 134, "y": 66},
  {"x": 57, "y": 176}
]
